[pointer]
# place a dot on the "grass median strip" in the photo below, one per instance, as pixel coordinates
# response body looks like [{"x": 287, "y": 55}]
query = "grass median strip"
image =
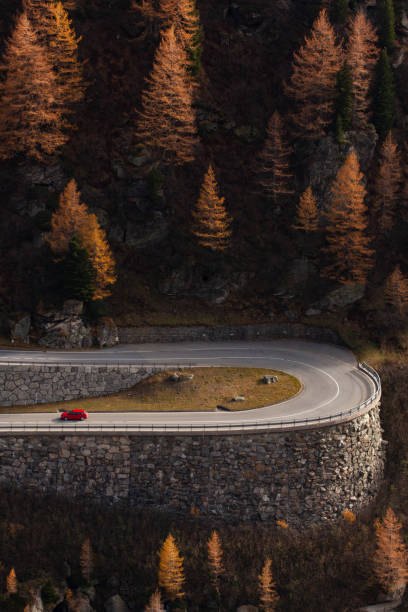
[{"x": 196, "y": 389}]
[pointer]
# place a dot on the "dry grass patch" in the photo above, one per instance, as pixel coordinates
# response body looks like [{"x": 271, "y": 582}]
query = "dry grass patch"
[{"x": 208, "y": 388}]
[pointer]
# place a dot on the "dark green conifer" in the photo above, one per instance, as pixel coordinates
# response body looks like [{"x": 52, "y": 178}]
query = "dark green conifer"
[
  {"x": 387, "y": 30},
  {"x": 344, "y": 102},
  {"x": 384, "y": 95},
  {"x": 77, "y": 273}
]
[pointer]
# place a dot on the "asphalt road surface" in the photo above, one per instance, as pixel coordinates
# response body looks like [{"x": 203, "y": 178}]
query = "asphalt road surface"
[{"x": 331, "y": 383}]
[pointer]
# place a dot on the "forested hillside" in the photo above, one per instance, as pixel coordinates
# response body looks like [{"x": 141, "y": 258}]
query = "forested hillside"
[{"x": 242, "y": 160}]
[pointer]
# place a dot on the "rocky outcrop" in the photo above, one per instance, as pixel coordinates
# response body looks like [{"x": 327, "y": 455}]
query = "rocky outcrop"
[
  {"x": 65, "y": 329},
  {"x": 107, "y": 333},
  {"x": 304, "y": 477},
  {"x": 20, "y": 330},
  {"x": 115, "y": 604},
  {"x": 343, "y": 296}
]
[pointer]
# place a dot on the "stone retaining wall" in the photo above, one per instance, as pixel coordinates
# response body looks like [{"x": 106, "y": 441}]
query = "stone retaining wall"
[
  {"x": 138, "y": 335},
  {"x": 39, "y": 384},
  {"x": 302, "y": 477}
]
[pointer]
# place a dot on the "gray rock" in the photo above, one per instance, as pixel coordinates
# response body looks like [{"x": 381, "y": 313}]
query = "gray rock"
[
  {"x": 36, "y": 605},
  {"x": 107, "y": 333},
  {"x": 341, "y": 297},
  {"x": 63, "y": 330},
  {"x": 238, "y": 398},
  {"x": 268, "y": 379},
  {"x": 115, "y": 604},
  {"x": 21, "y": 329},
  {"x": 73, "y": 307},
  {"x": 311, "y": 312}
]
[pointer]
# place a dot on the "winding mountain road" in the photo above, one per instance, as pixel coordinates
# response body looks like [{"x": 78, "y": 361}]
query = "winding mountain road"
[{"x": 331, "y": 381}]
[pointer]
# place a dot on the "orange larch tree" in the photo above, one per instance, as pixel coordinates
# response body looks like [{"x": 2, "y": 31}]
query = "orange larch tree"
[
  {"x": 396, "y": 292},
  {"x": 387, "y": 185},
  {"x": 215, "y": 560},
  {"x": 312, "y": 85},
  {"x": 93, "y": 238},
  {"x": 62, "y": 45},
  {"x": 171, "y": 572},
  {"x": 30, "y": 113},
  {"x": 390, "y": 559},
  {"x": 72, "y": 219},
  {"x": 273, "y": 166},
  {"x": 11, "y": 582},
  {"x": 268, "y": 595},
  {"x": 67, "y": 219},
  {"x": 362, "y": 55},
  {"x": 167, "y": 119},
  {"x": 155, "y": 603},
  {"x": 347, "y": 242},
  {"x": 211, "y": 222},
  {"x": 86, "y": 559},
  {"x": 307, "y": 214}
]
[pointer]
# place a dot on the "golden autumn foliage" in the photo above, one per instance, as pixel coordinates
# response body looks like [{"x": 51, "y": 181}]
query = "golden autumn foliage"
[
  {"x": 73, "y": 219},
  {"x": 348, "y": 515},
  {"x": 30, "y": 113},
  {"x": 11, "y": 582},
  {"x": 274, "y": 170},
  {"x": 155, "y": 603},
  {"x": 387, "y": 185},
  {"x": 93, "y": 239},
  {"x": 390, "y": 559},
  {"x": 268, "y": 595},
  {"x": 307, "y": 214},
  {"x": 396, "y": 291},
  {"x": 214, "y": 551},
  {"x": 211, "y": 222},
  {"x": 282, "y": 524},
  {"x": 167, "y": 119},
  {"x": 86, "y": 559},
  {"x": 312, "y": 85},
  {"x": 362, "y": 55},
  {"x": 68, "y": 218},
  {"x": 347, "y": 241},
  {"x": 62, "y": 45},
  {"x": 171, "y": 572}
]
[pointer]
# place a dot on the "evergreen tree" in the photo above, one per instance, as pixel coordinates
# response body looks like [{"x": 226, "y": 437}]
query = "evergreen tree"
[
  {"x": 384, "y": 95},
  {"x": 396, "y": 292},
  {"x": 86, "y": 558},
  {"x": 214, "y": 550},
  {"x": 268, "y": 595},
  {"x": 167, "y": 119},
  {"x": 387, "y": 185},
  {"x": 313, "y": 82},
  {"x": 73, "y": 219},
  {"x": 362, "y": 54},
  {"x": 211, "y": 222},
  {"x": 77, "y": 274},
  {"x": 390, "y": 560},
  {"x": 30, "y": 113},
  {"x": 387, "y": 31},
  {"x": 273, "y": 166},
  {"x": 339, "y": 11},
  {"x": 155, "y": 603},
  {"x": 350, "y": 257},
  {"x": 93, "y": 238},
  {"x": 12, "y": 582},
  {"x": 191, "y": 34},
  {"x": 307, "y": 214},
  {"x": 171, "y": 572},
  {"x": 344, "y": 102}
]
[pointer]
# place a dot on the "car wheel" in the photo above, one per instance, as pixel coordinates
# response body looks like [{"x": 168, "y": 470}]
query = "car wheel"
[
  {"x": 65, "y": 419},
  {"x": 81, "y": 419}
]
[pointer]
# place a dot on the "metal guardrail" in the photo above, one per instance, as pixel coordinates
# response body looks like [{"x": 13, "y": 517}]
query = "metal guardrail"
[{"x": 206, "y": 428}]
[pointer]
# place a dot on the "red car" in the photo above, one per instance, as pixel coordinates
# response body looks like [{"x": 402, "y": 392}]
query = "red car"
[{"x": 74, "y": 415}]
